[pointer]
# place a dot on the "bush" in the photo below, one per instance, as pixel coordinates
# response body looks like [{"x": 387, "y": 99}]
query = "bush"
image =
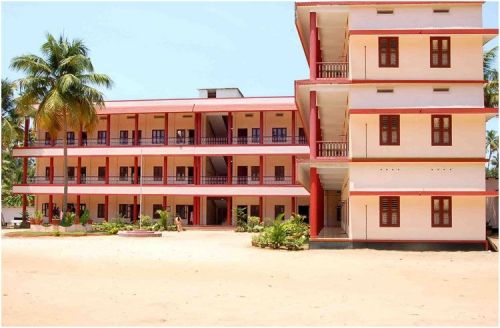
[
  {"x": 291, "y": 234},
  {"x": 240, "y": 229},
  {"x": 111, "y": 228},
  {"x": 37, "y": 218},
  {"x": 165, "y": 218},
  {"x": 146, "y": 221},
  {"x": 84, "y": 216},
  {"x": 68, "y": 219},
  {"x": 252, "y": 222}
]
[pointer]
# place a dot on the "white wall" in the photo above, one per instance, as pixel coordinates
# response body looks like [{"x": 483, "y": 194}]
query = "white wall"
[
  {"x": 468, "y": 219},
  {"x": 8, "y": 213}
]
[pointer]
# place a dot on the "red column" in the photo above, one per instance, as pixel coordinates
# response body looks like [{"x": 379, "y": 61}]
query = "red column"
[
  {"x": 25, "y": 170},
  {"x": 261, "y": 175},
  {"x": 229, "y": 128},
  {"x": 165, "y": 127},
  {"x": 51, "y": 177},
  {"x": 261, "y": 128},
  {"x": 313, "y": 114},
  {"x": 106, "y": 206},
  {"x": 165, "y": 170},
  {"x": 164, "y": 202},
  {"x": 106, "y": 177},
  {"x": 229, "y": 211},
  {"x": 294, "y": 204},
  {"x": 313, "y": 210},
  {"x": 321, "y": 216},
  {"x": 136, "y": 129},
  {"x": 108, "y": 130},
  {"x": 79, "y": 171},
  {"x": 197, "y": 170},
  {"x": 261, "y": 208},
  {"x": 196, "y": 208},
  {"x": 313, "y": 36},
  {"x": 26, "y": 131},
  {"x": 136, "y": 169},
  {"x": 134, "y": 210},
  {"x": 80, "y": 135},
  {"x": 293, "y": 128},
  {"x": 197, "y": 127},
  {"x": 294, "y": 169},
  {"x": 229, "y": 170},
  {"x": 51, "y": 207},
  {"x": 25, "y": 201},
  {"x": 77, "y": 210}
]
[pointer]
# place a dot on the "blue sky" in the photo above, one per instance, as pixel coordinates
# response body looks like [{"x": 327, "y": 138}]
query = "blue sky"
[{"x": 169, "y": 49}]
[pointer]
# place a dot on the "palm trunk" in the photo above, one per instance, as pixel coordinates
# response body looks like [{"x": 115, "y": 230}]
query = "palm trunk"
[
  {"x": 65, "y": 165},
  {"x": 489, "y": 159}
]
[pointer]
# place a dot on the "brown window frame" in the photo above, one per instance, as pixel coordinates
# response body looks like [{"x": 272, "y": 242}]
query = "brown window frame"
[
  {"x": 277, "y": 210},
  {"x": 441, "y": 212},
  {"x": 389, "y": 200},
  {"x": 440, "y": 51},
  {"x": 387, "y": 49},
  {"x": 389, "y": 142},
  {"x": 101, "y": 208},
  {"x": 157, "y": 173},
  {"x": 441, "y": 130}
]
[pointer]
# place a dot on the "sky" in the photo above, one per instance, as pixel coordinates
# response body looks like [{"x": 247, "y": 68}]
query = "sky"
[{"x": 170, "y": 49}]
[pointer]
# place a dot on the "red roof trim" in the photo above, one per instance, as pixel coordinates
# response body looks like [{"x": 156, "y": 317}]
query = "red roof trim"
[
  {"x": 426, "y": 31},
  {"x": 367, "y": 3},
  {"x": 424, "y": 193},
  {"x": 419, "y": 159},
  {"x": 433, "y": 110}
]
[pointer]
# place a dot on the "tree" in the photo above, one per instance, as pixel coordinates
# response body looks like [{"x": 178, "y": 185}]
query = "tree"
[
  {"x": 63, "y": 84},
  {"x": 491, "y": 75},
  {"x": 491, "y": 144}
]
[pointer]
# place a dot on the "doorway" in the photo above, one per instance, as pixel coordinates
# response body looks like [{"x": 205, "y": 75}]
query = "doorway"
[
  {"x": 242, "y": 174},
  {"x": 216, "y": 211},
  {"x": 304, "y": 211}
]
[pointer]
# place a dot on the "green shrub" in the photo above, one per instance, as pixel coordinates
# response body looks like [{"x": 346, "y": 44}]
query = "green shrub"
[
  {"x": 240, "y": 229},
  {"x": 37, "y": 218},
  {"x": 165, "y": 218},
  {"x": 68, "y": 219},
  {"x": 291, "y": 234},
  {"x": 84, "y": 216},
  {"x": 57, "y": 233},
  {"x": 146, "y": 221}
]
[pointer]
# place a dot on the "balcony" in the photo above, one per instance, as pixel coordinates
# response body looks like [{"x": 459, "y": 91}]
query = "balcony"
[
  {"x": 333, "y": 149},
  {"x": 333, "y": 70}
]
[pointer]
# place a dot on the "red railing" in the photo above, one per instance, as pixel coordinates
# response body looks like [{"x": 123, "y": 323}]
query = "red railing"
[
  {"x": 333, "y": 70},
  {"x": 333, "y": 149}
]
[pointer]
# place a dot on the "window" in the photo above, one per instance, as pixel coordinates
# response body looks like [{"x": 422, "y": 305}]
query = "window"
[
  {"x": 180, "y": 136},
  {"x": 157, "y": 207},
  {"x": 180, "y": 173},
  {"x": 70, "y": 138},
  {"x": 441, "y": 10},
  {"x": 279, "y": 135},
  {"x": 158, "y": 136},
  {"x": 385, "y": 11},
  {"x": 101, "y": 173},
  {"x": 302, "y": 136},
  {"x": 255, "y": 135},
  {"x": 441, "y": 130},
  {"x": 279, "y": 209},
  {"x": 123, "y": 173},
  {"x": 389, "y": 211},
  {"x": 157, "y": 173},
  {"x": 441, "y": 89},
  {"x": 441, "y": 211},
  {"x": 71, "y": 173},
  {"x": 83, "y": 206},
  {"x": 100, "y": 211},
  {"x": 279, "y": 173},
  {"x": 254, "y": 210},
  {"x": 389, "y": 130},
  {"x": 101, "y": 137},
  {"x": 123, "y": 137},
  {"x": 385, "y": 90},
  {"x": 211, "y": 94},
  {"x": 48, "y": 139},
  {"x": 255, "y": 170},
  {"x": 125, "y": 210},
  {"x": 440, "y": 51},
  {"x": 47, "y": 173},
  {"x": 388, "y": 52},
  {"x": 45, "y": 208}
]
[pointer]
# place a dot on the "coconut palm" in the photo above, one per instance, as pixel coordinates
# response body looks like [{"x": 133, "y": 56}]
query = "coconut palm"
[
  {"x": 491, "y": 75},
  {"x": 11, "y": 125},
  {"x": 63, "y": 84},
  {"x": 491, "y": 144}
]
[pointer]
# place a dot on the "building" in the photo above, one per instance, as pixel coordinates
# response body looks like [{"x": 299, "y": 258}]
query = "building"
[{"x": 382, "y": 145}]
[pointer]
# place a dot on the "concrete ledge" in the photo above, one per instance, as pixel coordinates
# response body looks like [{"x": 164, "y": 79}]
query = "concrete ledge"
[
  {"x": 398, "y": 245},
  {"x": 139, "y": 233}
]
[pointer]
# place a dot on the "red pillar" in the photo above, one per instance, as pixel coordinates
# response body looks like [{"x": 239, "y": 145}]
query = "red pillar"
[
  {"x": 197, "y": 127},
  {"x": 165, "y": 127},
  {"x": 80, "y": 135},
  {"x": 293, "y": 127},
  {"x": 261, "y": 208},
  {"x": 321, "y": 196},
  {"x": 229, "y": 211},
  {"x": 108, "y": 130},
  {"x": 136, "y": 129},
  {"x": 164, "y": 202},
  {"x": 106, "y": 176},
  {"x": 77, "y": 210},
  {"x": 261, "y": 127},
  {"x": 165, "y": 170},
  {"x": 51, "y": 171},
  {"x": 313, "y": 114},
  {"x": 25, "y": 201},
  {"x": 229, "y": 170},
  {"x": 25, "y": 170},
  {"x": 106, "y": 206},
  {"x": 136, "y": 170},
  {"x": 51, "y": 207},
  {"x": 229, "y": 128},
  {"x": 79, "y": 171},
  {"x": 196, "y": 208},
  {"x": 313, "y": 36},
  {"x": 261, "y": 173},
  {"x": 294, "y": 169},
  {"x": 314, "y": 208},
  {"x": 294, "y": 204},
  {"x": 134, "y": 210}
]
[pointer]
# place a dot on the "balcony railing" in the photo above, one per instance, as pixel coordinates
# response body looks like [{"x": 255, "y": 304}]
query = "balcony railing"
[
  {"x": 333, "y": 149},
  {"x": 246, "y": 180},
  {"x": 172, "y": 141},
  {"x": 333, "y": 70},
  {"x": 214, "y": 180}
]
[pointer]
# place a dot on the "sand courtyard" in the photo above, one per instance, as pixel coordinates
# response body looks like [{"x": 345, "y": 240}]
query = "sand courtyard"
[{"x": 217, "y": 278}]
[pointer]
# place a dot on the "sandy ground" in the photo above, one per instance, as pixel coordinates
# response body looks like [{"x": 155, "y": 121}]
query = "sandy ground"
[{"x": 216, "y": 278}]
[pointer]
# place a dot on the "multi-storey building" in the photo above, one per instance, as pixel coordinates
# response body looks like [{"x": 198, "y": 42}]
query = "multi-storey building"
[
  {"x": 386, "y": 137},
  {"x": 199, "y": 158}
]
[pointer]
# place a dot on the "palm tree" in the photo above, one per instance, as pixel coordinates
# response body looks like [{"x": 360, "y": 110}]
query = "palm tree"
[
  {"x": 491, "y": 75},
  {"x": 62, "y": 82},
  {"x": 11, "y": 130},
  {"x": 491, "y": 144}
]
